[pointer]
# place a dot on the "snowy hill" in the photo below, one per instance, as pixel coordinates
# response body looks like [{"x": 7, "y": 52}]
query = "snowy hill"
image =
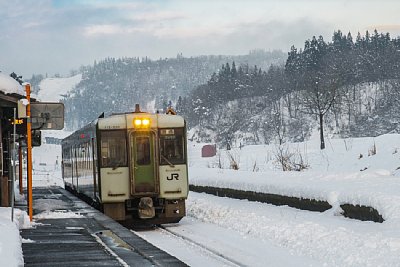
[{"x": 52, "y": 89}]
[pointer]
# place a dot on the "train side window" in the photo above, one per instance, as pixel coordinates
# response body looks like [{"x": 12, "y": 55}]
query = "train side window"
[
  {"x": 143, "y": 151},
  {"x": 113, "y": 149}
]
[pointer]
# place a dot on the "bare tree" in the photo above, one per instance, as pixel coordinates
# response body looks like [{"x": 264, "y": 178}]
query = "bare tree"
[
  {"x": 278, "y": 121},
  {"x": 319, "y": 100},
  {"x": 316, "y": 71}
]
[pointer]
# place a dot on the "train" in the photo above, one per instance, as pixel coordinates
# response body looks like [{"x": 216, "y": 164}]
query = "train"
[{"x": 132, "y": 166}]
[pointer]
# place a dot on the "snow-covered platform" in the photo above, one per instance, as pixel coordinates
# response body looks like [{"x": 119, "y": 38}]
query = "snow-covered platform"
[{"x": 68, "y": 232}]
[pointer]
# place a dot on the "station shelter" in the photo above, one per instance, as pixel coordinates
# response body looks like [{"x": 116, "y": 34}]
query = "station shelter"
[{"x": 10, "y": 93}]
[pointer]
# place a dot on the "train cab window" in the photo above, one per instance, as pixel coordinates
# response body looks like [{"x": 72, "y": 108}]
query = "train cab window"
[
  {"x": 113, "y": 149},
  {"x": 172, "y": 146},
  {"x": 143, "y": 151}
]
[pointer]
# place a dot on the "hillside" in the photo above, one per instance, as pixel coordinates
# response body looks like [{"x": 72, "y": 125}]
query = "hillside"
[
  {"x": 55, "y": 89},
  {"x": 341, "y": 87},
  {"x": 116, "y": 85}
]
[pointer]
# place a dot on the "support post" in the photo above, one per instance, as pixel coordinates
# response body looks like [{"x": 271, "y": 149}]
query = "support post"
[
  {"x": 13, "y": 165},
  {"x": 29, "y": 149}
]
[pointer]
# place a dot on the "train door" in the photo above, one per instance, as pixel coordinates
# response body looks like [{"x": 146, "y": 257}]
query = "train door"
[
  {"x": 76, "y": 167},
  {"x": 1, "y": 157},
  {"x": 143, "y": 162}
]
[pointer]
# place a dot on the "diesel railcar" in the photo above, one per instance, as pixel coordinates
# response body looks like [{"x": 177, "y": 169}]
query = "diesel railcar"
[{"x": 132, "y": 165}]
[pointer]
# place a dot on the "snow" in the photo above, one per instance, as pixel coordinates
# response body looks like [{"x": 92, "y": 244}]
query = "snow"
[
  {"x": 256, "y": 234},
  {"x": 370, "y": 189},
  {"x": 9, "y": 85},
  {"x": 320, "y": 237},
  {"x": 52, "y": 89},
  {"x": 10, "y": 240},
  {"x": 239, "y": 248},
  {"x": 334, "y": 174}
]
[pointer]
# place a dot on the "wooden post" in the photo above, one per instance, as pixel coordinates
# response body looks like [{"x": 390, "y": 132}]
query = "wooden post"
[
  {"x": 4, "y": 191},
  {"x": 29, "y": 149}
]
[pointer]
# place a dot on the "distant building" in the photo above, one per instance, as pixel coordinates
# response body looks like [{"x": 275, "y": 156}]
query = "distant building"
[
  {"x": 208, "y": 151},
  {"x": 53, "y": 140}
]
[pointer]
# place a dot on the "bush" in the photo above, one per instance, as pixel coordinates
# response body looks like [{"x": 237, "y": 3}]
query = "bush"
[{"x": 288, "y": 160}]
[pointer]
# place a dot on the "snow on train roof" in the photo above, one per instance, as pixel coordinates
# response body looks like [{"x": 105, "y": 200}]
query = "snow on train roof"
[
  {"x": 112, "y": 122},
  {"x": 165, "y": 121},
  {"x": 8, "y": 85},
  {"x": 126, "y": 121}
]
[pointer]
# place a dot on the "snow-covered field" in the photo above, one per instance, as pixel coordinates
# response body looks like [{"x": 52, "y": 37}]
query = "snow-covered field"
[
  {"x": 256, "y": 234},
  {"x": 338, "y": 174},
  {"x": 283, "y": 236}
]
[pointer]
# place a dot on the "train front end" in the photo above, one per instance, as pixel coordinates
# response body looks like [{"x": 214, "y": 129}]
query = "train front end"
[{"x": 150, "y": 181}]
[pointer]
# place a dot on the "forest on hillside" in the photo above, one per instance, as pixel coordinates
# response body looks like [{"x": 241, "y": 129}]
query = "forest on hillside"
[
  {"x": 116, "y": 85},
  {"x": 349, "y": 86},
  {"x": 343, "y": 87}
]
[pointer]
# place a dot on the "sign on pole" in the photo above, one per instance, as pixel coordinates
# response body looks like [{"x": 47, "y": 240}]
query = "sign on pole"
[{"x": 47, "y": 116}]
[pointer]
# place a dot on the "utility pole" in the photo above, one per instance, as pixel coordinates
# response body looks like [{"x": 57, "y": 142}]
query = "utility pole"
[{"x": 29, "y": 149}]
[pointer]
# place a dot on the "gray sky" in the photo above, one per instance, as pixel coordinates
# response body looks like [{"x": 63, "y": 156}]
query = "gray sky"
[{"x": 45, "y": 36}]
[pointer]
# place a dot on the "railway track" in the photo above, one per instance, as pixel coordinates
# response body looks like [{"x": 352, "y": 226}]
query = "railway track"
[
  {"x": 210, "y": 252},
  {"x": 71, "y": 233}
]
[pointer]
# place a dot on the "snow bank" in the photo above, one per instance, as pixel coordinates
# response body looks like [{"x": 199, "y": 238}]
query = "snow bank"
[
  {"x": 10, "y": 241},
  {"x": 363, "y": 188}
]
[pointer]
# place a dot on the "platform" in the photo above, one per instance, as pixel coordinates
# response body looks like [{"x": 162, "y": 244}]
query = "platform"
[{"x": 68, "y": 232}]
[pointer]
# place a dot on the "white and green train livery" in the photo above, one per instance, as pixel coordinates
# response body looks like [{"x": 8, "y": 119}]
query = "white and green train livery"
[{"x": 132, "y": 166}]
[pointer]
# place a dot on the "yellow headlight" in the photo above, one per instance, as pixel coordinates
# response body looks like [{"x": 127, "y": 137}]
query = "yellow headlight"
[
  {"x": 141, "y": 123},
  {"x": 146, "y": 122}
]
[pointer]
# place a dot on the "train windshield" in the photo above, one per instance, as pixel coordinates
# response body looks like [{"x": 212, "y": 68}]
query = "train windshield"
[
  {"x": 113, "y": 149},
  {"x": 172, "y": 146}
]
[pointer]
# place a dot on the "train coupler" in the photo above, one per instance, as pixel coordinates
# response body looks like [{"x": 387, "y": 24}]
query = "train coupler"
[{"x": 146, "y": 208}]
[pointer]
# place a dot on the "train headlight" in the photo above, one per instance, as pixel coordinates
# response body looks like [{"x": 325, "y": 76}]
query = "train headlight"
[
  {"x": 146, "y": 122},
  {"x": 141, "y": 123}
]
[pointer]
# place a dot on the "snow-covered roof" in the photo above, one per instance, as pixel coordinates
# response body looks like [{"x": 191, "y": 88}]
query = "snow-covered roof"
[{"x": 8, "y": 85}]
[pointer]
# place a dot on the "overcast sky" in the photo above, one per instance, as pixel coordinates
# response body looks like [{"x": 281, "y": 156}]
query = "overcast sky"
[{"x": 44, "y": 36}]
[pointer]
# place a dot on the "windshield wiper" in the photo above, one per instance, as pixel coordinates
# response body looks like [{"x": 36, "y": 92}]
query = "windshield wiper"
[{"x": 170, "y": 164}]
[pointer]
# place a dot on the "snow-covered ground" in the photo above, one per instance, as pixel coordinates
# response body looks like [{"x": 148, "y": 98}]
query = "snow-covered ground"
[
  {"x": 338, "y": 174},
  {"x": 283, "y": 236},
  {"x": 258, "y": 234}
]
